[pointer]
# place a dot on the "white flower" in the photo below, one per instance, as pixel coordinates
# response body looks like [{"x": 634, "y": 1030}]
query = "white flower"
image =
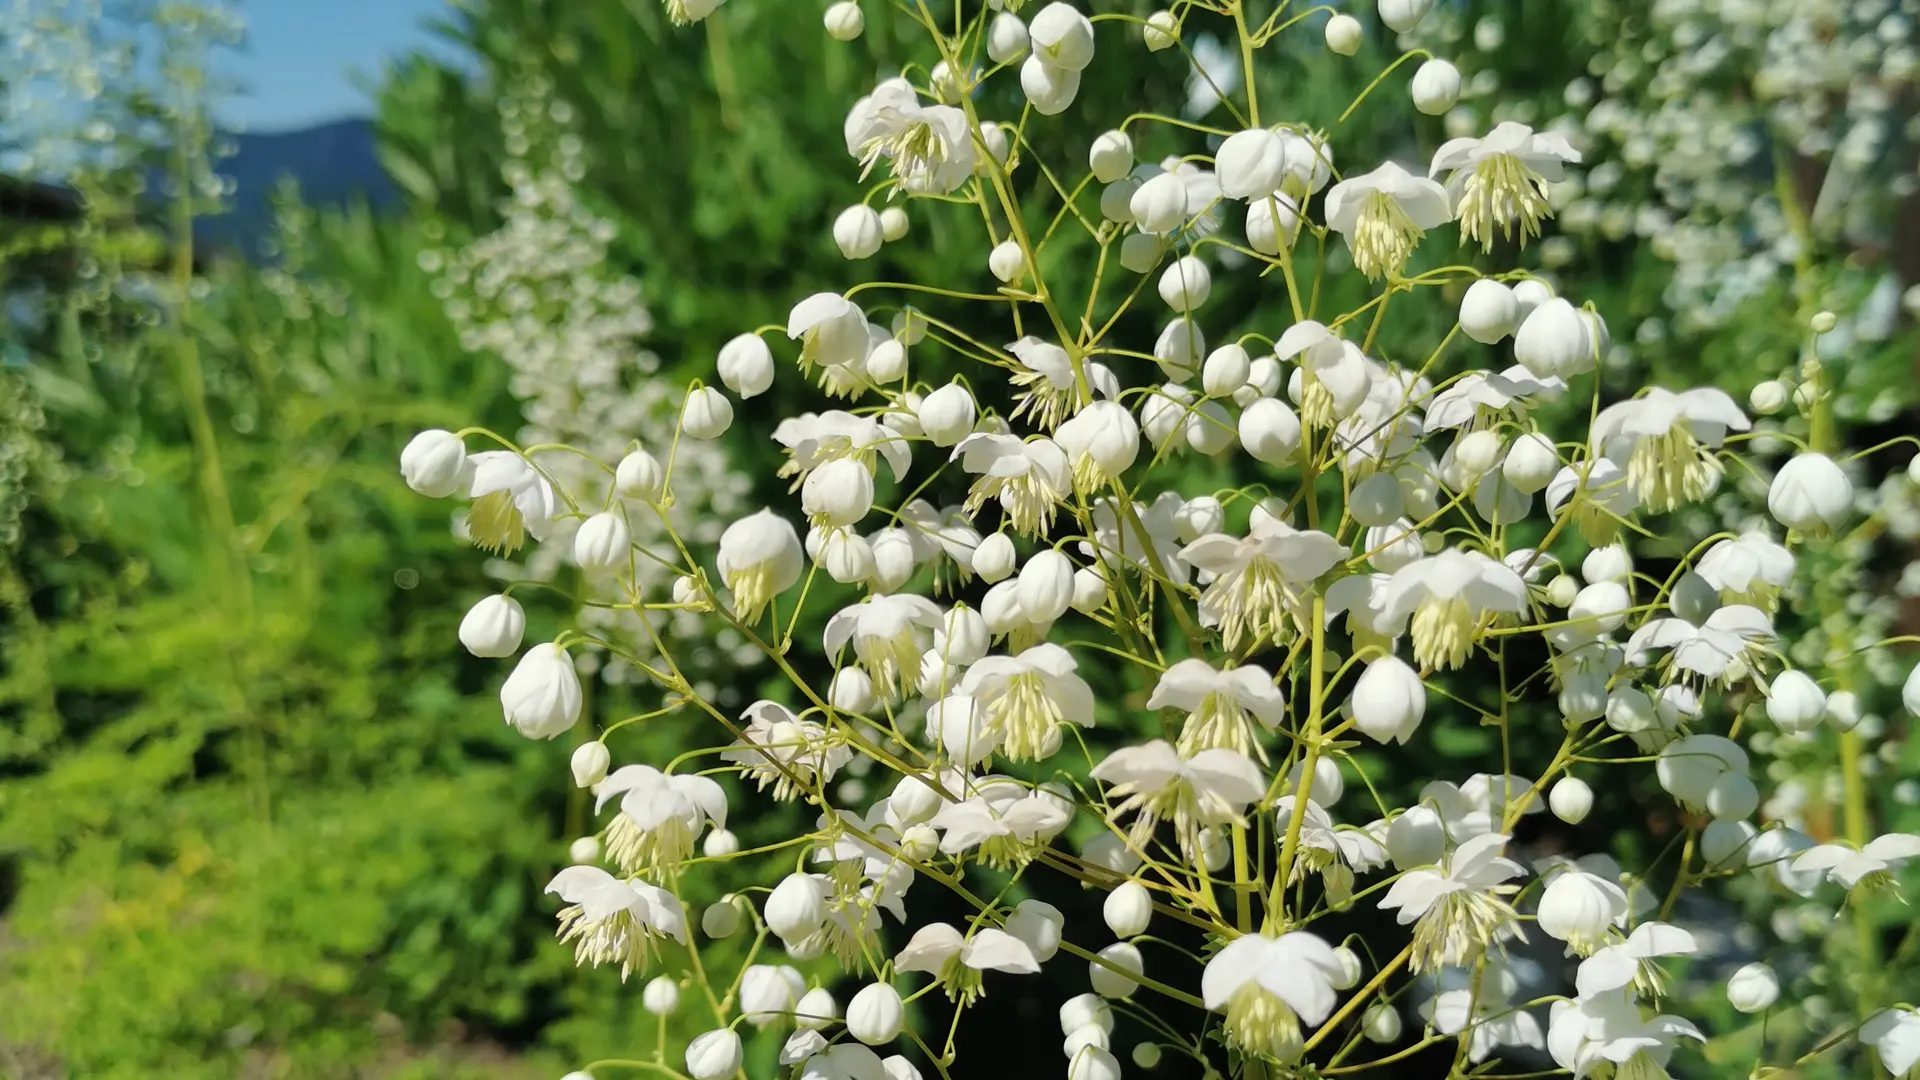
[
  {"x": 1630, "y": 963},
  {"x": 610, "y": 920},
  {"x": 1344, "y": 34},
  {"x": 956, "y": 962},
  {"x": 1754, "y": 988},
  {"x": 760, "y": 557},
  {"x": 1500, "y": 181},
  {"x": 1402, "y": 16},
  {"x": 1049, "y": 388},
  {"x": 1213, "y": 787},
  {"x": 1026, "y": 698},
  {"x": 714, "y": 1055},
  {"x": 768, "y": 993},
  {"x": 857, "y": 232},
  {"x": 1664, "y": 439},
  {"x": 1063, "y": 36},
  {"x": 661, "y": 815},
  {"x": 541, "y": 698},
  {"x": 887, "y": 633},
  {"x": 1719, "y": 647},
  {"x": 493, "y": 627},
  {"x": 1029, "y": 478},
  {"x": 1688, "y": 768},
  {"x": 1895, "y": 1033},
  {"x": 1336, "y": 853},
  {"x": 1221, "y": 705},
  {"x": 1449, "y": 596},
  {"x": 1268, "y": 987},
  {"x": 1159, "y": 205},
  {"x": 789, "y": 753},
  {"x": 1488, "y": 1012},
  {"x": 1389, "y": 700},
  {"x": 831, "y": 329},
  {"x": 1863, "y": 869},
  {"x": 1252, "y": 164},
  {"x": 947, "y": 415},
  {"x": 1128, "y": 909},
  {"x": 1810, "y": 494},
  {"x": 1257, "y": 580},
  {"x": 1383, "y": 214},
  {"x": 1456, "y": 907},
  {"x": 930, "y": 146},
  {"x": 1480, "y": 395},
  {"x": 746, "y": 365},
  {"x": 1102, "y": 441},
  {"x": 1608, "y": 1035},
  {"x": 1488, "y": 312},
  {"x": 511, "y": 500},
  {"x": 1003, "y": 824},
  {"x": 434, "y": 463},
  {"x": 844, "y": 21},
  {"x": 1006, "y": 38},
  {"x": 1579, "y": 908},
  {"x": 1117, "y": 984},
  {"x": 1555, "y": 341},
  {"x": 1050, "y": 88},
  {"x": 1600, "y": 498},
  {"x": 838, "y": 493},
  {"x": 1332, "y": 378}
]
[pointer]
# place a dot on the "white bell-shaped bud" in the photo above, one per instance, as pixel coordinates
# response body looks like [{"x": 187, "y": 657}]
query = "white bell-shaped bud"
[
  {"x": 796, "y": 907},
  {"x": 994, "y": 558},
  {"x": 1270, "y": 431},
  {"x": 1008, "y": 261},
  {"x": 1007, "y": 38},
  {"x": 857, "y": 232},
  {"x": 1117, "y": 985},
  {"x": 1062, "y": 36},
  {"x": 1754, "y": 988},
  {"x": 493, "y": 627},
  {"x": 541, "y": 699},
  {"x": 1435, "y": 87},
  {"x": 589, "y": 763},
  {"x": 1795, "y": 702},
  {"x": 1046, "y": 586},
  {"x": 1554, "y": 341},
  {"x": 1050, "y": 88},
  {"x": 1128, "y": 909},
  {"x": 1403, "y": 15},
  {"x": 1489, "y": 311},
  {"x": 1389, "y": 700},
  {"x": 1810, "y": 494},
  {"x": 1186, "y": 284},
  {"x": 707, "y": 414},
  {"x": 1344, "y": 34},
  {"x": 947, "y": 415},
  {"x": 434, "y": 463},
  {"x": 1531, "y": 462},
  {"x": 876, "y": 1014},
  {"x": 603, "y": 543},
  {"x": 661, "y": 996},
  {"x": 1251, "y": 164},
  {"x": 844, "y": 21},
  {"x": 1111, "y": 156},
  {"x": 1570, "y": 799},
  {"x": 1159, "y": 205},
  {"x": 639, "y": 476},
  {"x": 713, "y": 1055},
  {"x": 1227, "y": 369}
]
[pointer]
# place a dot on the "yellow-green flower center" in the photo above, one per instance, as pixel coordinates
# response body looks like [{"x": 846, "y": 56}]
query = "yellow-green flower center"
[
  {"x": 1384, "y": 237},
  {"x": 495, "y": 524},
  {"x": 1502, "y": 194}
]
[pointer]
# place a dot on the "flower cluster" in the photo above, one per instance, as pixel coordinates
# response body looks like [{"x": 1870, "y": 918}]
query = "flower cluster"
[{"x": 1073, "y": 663}]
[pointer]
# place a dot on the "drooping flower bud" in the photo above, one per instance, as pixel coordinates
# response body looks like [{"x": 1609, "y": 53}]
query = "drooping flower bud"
[
  {"x": 1251, "y": 164},
  {"x": 1810, "y": 494},
  {"x": 1554, "y": 341},
  {"x": 1489, "y": 311},
  {"x": 707, "y": 414},
  {"x": 713, "y": 1055},
  {"x": 1270, "y": 431},
  {"x": 1046, "y": 586},
  {"x": 1436, "y": 87},
  {"x": 1389, "y": 700},
  {"x": 796, "y": 907},
  {"x": 746, "y": 365},
  {"x": 603, "y": 543},
  {"x": 434, "y": 463},
  {"x": 1570, "y": 799},
  {"x": 1128, "y": 909},
  {"x": 639, "y": 476},
  {"x": 1006, "y": 38},
  {"x": 1007, "y": 261},
  {"x": 1186, "y": 284},
  {"x": 493, "y": 627},
  {"x": 661, "y": 996},
  {"x": 1344, "y": 34},
  {"x": 1159, "y": 205},
  {"x": 844, "y": 21},
  {"x": 1050, "y": 88},
  {"x": 1403, "y": 15},
  {"x": 1162, "y": 30},
  {"x": 876, "y": 1014},
  {"x": 589, "y": 763},
  {"x": 994, "y": 558},
  {"x": 1754, "y": 988},
  {"x": 541, "y": 699},
  {"x": 1795, "y": 702},
  {"x": 857, "y": 232},
  {"x": 947, "y": 415}
]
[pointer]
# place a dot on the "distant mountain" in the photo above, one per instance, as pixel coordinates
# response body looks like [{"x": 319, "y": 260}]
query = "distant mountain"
[{"x": 334, "y": 163}]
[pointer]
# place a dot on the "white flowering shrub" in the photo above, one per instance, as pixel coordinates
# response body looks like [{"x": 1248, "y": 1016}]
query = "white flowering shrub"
[{"x": 1056, "y": 652}]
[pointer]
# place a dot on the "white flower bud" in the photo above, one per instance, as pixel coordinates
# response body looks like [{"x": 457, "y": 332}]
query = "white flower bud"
[
  {"x": 1350, "y": 969},
  {"x": 1037, "y": 923},
  {"x": 1376, "y": 501},
  {"x": 602, "y": 543},
  {"x": 1140, "y": 252},
  {"x": 1062, "y": 37},
  {"x": 1570, "y": 799},
  {"x": 541, "y": 699},
  {"x": 1562, "y": 590},
  {"x": 846, "y": 556},
  {"x": 1085, "y": 1010},
  {"x": 1554, "y": 340},
  {"x": 589, "y": 763},
  {"x": 1209, "y": 429},
  {"x": 1389, "y": 700},
  {"x": 1226, "y": 370},
  {"x": 1531, "y": 463},
  {"x": 1823, "y": 322},
  {"x": 719, "y": 844},
  {"x": 1270, "y": 431},
  {"x": 1164, "y": 414},
  {"x": 887, "y": 362},
  {"x": 919, "y": 843},
  {"x": 1180, "y": 348},
  {"x": 1344, "y": 34},
  {"x": 1159, "y": 205},
  {"x": 994, "y": 558},
  {"x": 1105, "y": 434},
  {"x": 1477, "y": 452},
  {"x": 722, "y": 920},
  {"x": 707, "y": 415},
  {"x": 1251, "y": 164},
  {"x": 876, "y": 1014},
  {"x": 1089, "y": 591},
  {"x": 857, "y": 232},
  {"x": 1579, "y": 907},
  {"x": 1381, "y": 1023},
  {"x": 1146, "y": 1054},
  {"x": 1436, "y": 87},
  {"x": 1049, "y": 87},
  {"x": 947, "y": 415},
  {"x": 1416, "y": 838},
  {"x": 839, "y": 492},
  {"x": 1768, "y": 397},
  {"x": 493, "y": 627},
  {"x": 1111, "y": 156},
  {"x": 815, "y": 1009},
  {"x": 1600, "y": 608},
  {"x": 1093, "y": 1063},
  {"x": 1162, "y": 31},
  {"x": 893, "y": 224},
  {"x": 1810, "y": 494},
  {"x": 1610, "y": 563},
  {"x": 661, "y": 996},
  {"x": 1198, "y": 516},
  {"x": 1733, "y": 798},
  {"x": 1795, "y": 702},
  {"x": 851, "y": 690},
  {"x": 1046, "y": 586},
  {"x": 962, "y": 728},
  {"x": 584, "y": 851},
  {"x": 1007, "y": 261},
  {"x": 1403, "y": 15},
  {"x": 844, "y": 21},
  {"x": 434, "y": 463},
  {"x": 1843, "y": 710},
  {"x": 1328, "y": 784},
  {"x": 913, "y": 801},
  {"x": 1113, "y": 984},
  {"x": 1271, "y": 223},
  {"x": 713, "y": 1055},
  {"x": 1723, "y": 844},
  {"x": 1186, "y": 284},
  {"x": 1006, "y": 38},
  {"x": 1754, "y": 988},
  {"x": 1128, "y": 909},
  {"x": 1080, "y": 1038},
  {"x": 795, "y": 908},
  {"x": 639, "y": 476},
  {"x": 1489, "y": 311},
  {"x": 1269, "y": 511},
  {"x": 909, "y": 327}
]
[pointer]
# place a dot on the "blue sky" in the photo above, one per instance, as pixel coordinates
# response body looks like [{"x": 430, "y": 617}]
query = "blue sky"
[{"x": 301, "y": 55}]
